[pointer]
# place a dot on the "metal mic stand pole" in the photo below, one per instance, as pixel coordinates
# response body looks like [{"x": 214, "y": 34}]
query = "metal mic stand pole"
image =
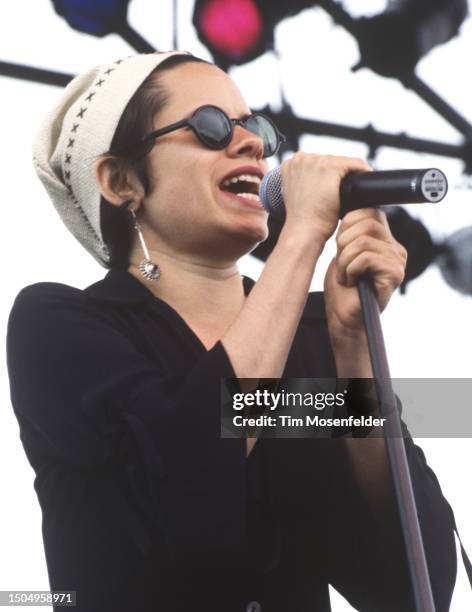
[{"x": 395, "y": 447}]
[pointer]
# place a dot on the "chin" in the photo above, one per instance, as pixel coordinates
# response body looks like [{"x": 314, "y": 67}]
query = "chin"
[
  {"x": 237, "y": 235},
  {"x": 245, "y": 242},
  {"x": 254, "y": 232}
]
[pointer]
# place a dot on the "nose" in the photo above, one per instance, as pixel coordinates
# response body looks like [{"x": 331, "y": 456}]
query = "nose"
[{"x": 245, "y": 143}]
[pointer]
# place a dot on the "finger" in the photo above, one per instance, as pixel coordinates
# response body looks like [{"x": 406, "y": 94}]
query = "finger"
[
  {"x": 341, "y": 164},
  {"x": 355, "y": 216},
  {"x": 345, "y": 165},
  {"x": 367, "y": 226},
  {"x": 387, "y": 272},
  {"x": 365, "y": 244}
]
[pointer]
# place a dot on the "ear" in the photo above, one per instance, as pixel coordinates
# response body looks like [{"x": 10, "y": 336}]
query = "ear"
[{"x": 116, "y": 181}]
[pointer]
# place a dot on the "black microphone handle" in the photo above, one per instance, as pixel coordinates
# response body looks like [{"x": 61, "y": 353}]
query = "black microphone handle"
[
  {"x": 366, "y": 189},
  {"x": 382, "y": 188}
]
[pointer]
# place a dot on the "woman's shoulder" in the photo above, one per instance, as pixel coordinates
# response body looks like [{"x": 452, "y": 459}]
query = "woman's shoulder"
[
  {"x": 55, "y": 307},
  {"x": 53, "y": 304},
  {"x": 42, "y": 315},
  {"x": 45, "y": 297},
  {"x": 52, "y": 314},
  {"x": 116, "y": 287},
  {"x": 47, "y": 291}
]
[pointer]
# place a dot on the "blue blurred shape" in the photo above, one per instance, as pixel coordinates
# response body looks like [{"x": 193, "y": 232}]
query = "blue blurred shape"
[{"x": 97, "y": 17}]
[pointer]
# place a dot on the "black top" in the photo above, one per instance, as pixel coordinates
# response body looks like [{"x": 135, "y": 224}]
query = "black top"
[{"x": 146, "y": 507}]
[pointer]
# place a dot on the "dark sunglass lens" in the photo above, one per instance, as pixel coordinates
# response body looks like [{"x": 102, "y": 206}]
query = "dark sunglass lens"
[
  {"x": 265, "y": 129},
  {"x": 212, "y": 126}
]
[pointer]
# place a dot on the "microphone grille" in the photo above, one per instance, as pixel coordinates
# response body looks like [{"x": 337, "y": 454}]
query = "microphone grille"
[{"x": 270, "y": 192}]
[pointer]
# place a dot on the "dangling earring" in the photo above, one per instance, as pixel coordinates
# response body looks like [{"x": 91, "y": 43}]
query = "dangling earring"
[{"x": 148, "y": 268}]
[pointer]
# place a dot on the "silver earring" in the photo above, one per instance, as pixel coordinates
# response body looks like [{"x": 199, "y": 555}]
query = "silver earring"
[{"x": 148, "y": 268}]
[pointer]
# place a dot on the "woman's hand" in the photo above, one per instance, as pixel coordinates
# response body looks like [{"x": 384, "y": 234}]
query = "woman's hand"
[
  {"x": 310, "y": 185},
  {"x": 364, "y": 244}
]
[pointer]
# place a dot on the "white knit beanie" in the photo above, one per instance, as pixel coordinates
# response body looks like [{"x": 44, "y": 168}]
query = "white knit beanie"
[{"x": 76, "y": 132}]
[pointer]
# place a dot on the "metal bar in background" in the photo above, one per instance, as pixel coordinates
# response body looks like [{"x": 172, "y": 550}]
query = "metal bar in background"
[
  {"x": 37, "y": 75},
  {"x": 373, "y": 138},
  {"x": 434, "y": 100},
  {"x": 134, "y": 39}
]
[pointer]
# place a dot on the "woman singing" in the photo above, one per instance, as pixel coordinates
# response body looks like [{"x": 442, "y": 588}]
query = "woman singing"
[{"x": 154, "y": 164}]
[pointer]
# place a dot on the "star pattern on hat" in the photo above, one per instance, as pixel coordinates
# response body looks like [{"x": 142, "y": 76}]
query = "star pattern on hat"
[
  {"x": 68, "y": 160},
  {"x": 68, "y": 157}
]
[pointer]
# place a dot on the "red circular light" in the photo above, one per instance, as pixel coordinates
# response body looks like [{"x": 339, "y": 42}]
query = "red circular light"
[{"x": 232, "y": 27}]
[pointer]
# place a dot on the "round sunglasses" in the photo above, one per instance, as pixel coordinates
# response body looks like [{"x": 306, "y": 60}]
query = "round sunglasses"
[{"x": 212, "y": 126}]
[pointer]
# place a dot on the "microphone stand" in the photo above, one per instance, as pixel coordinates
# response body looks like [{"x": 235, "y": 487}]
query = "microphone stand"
[{"x": 395, "y": 445}]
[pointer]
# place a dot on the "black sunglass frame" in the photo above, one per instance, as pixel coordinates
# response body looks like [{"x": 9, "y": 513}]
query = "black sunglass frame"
[{"x": 192, "y": 123}]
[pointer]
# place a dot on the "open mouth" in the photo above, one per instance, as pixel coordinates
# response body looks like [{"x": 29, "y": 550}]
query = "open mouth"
[{"x": 243, "y": 185}]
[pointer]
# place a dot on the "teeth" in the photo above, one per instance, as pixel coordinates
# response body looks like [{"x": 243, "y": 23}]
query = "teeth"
[
  {"x": 250, "y": 196},
  {"x": 248, "y": 178}
]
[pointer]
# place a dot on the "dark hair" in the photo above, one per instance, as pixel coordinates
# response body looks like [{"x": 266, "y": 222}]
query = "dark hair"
[{"x": 136, "y": 121}]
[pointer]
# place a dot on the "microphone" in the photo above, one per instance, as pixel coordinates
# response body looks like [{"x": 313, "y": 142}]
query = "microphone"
[{"x": 366, "y": 189}]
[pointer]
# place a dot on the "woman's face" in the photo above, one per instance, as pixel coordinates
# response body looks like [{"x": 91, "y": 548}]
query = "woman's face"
[{"x": 186, "y": 211}]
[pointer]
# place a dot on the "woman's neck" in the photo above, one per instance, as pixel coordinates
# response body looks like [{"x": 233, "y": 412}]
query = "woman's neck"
[{"x": 208, "y": 297}]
